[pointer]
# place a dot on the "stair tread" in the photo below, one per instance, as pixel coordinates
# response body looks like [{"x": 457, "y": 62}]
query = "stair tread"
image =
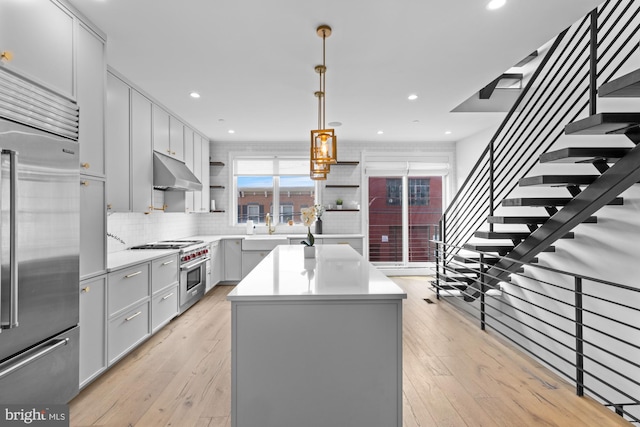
[
  {"x": 488, "y": 259},
  {"x": 510, "y": 235},
  {"x": 603, "y": 123},
  {"x": 527, "y": 219},
  {"x": 496, "y": 247},
  {"x": 623, "y": 87},
  {"x": 502, "y": 234},
  {"x": 547, "y": 201},
  {"x": 584, "y": 155},
  {"x": 557, "y": 180}
]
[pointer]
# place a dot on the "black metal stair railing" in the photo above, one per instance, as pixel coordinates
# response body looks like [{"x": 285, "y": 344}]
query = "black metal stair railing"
[
  {"x": 563, "y": 88},
  {"x": 582, "y": 328}
]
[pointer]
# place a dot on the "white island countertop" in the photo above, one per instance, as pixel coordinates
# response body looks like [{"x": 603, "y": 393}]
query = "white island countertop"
[{"x": 338, "y": 272}]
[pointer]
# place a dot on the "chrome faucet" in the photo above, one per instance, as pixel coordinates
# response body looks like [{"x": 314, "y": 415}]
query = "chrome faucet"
[{"x": 270, "y": 227}]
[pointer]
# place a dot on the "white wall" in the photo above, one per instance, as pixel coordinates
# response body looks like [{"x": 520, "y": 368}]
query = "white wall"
[{"x": 468, "y": 151}]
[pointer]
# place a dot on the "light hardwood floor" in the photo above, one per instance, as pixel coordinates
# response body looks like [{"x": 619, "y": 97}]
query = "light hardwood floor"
[{"x": 454, "y": 375}]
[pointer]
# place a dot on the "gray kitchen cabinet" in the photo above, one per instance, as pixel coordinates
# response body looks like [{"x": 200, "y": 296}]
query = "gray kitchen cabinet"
[
  {"x": 129, "y": 148},
  {"x": 188, "y": 160},
  {"x": 217, "y": 266},
  {"x": 164, "y": 272},
  {"x": 91, "y": 68},
  {"x": 40, "y": 35},
  {"x": 141, "y": 154},
  {"x": 118, "y": 154},
  {"x": 93, "y": 328},
  {"x": 176, "y": 138},
  {"x": 161, "y": 130},
  {"x": 93, "y": 227},
  {"x": 250, "y": 259},
  {"x": 354, "y": 242},
  {"x": 127, "y": 287},
  {"x": 127, "y": 330},
  {"x": 164, "y": 307},
  {"x": 233, "y": 259}
]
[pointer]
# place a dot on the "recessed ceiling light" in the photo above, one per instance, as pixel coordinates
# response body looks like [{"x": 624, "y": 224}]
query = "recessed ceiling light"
[
  {"x": 380, "y": 132},
  {"x": 194, "y": 95},
  {"x": 335, "y": 124},
  {"x": 496, "y": 4},
  {"x": 416, "y": 121},
  {"x": 231, "y": 131},
  {"x": 412, "y": 97},
  {"x": 448, "y": 132}
]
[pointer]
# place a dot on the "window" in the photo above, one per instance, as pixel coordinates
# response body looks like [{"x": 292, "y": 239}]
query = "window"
[
  {"x": 278, "y": 186},
  {"x": 418, "y": 191}
]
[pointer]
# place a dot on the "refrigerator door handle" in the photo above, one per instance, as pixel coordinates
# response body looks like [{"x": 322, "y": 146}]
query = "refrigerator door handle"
[
  {"x": 31, "y": 357},
  {"x": 10, "y": 320}
]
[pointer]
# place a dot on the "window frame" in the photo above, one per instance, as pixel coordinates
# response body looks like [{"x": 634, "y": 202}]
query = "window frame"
[{"x": 275, "y": 207}]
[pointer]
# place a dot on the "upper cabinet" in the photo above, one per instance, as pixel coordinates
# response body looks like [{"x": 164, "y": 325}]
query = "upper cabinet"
[
  {"x": 161, "y": 130},
  {"x": 141, "y": 154},
  {"x": 40, "y": 37},
  {"x": 168, "y": 134},
  {"x": 118, "y": 157},
  {"x": 129, "y": 148},
  {"x": 91, "y": 69},
  {"x": 176, "y": 138}
]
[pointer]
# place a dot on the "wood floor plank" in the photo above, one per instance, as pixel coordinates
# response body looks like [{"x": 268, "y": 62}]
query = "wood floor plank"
[{"x": 453, "y": 375}]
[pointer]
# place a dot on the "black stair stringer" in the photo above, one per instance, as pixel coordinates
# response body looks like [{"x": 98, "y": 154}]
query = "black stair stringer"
[{"x": 619, "y": 177}]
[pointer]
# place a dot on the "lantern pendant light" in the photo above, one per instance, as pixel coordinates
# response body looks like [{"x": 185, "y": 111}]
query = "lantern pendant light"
[{"x": 323, "y": 140}]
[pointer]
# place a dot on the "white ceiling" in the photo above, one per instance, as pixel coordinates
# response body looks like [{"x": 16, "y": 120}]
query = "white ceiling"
[{"x": 253, "y": 61}]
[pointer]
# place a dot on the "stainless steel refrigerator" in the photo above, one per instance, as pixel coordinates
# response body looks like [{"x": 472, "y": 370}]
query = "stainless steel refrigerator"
[{"x": 39, "y": 243}]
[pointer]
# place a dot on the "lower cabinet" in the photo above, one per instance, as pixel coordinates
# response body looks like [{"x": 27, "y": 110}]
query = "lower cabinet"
[
  {"x": 120, "y": 310},
  {"x": 164, "y": 307},
  {"x": 127, "y": 330},
  {"x": 250, "y": 259},
  {"x": 233, "y": 259},
  {"x": 93, "y": 328}
]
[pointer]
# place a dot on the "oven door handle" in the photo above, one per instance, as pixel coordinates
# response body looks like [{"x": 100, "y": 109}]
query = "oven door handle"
[{"x": 194, "y": 264}]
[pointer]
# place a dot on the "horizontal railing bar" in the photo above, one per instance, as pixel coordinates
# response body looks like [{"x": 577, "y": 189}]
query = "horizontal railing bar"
[{"x": 551, "y": 269}]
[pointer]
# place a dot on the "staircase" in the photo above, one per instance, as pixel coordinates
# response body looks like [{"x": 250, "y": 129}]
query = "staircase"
[
  {"x": 617, "y": 168},
  {"x": 559, "y": 92}
]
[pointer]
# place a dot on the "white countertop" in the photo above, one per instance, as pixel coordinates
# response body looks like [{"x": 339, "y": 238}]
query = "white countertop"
[
  {"x": 337, "y": 272},
  {"x": 212, "y": 238}
]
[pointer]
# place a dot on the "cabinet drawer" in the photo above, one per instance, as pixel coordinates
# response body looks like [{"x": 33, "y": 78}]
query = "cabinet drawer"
[
  {"x": 164, "y": 272},
  {"x": 353, "y": 242},
  {"x": 127, "y": 287},
  {"x": 127, "y": 330},
  {"x": 164, "y": 307}
]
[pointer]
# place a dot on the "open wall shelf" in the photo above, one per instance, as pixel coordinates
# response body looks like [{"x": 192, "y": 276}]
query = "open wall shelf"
[
  {"x": 341, "y": 186},
  {"x": 216, "y": 164},
  {"x": 347, "y": 163},
  {"x": 342, "y": 210},
  {"x": 217, "y": 210},
  {"x": 218, "y": 187}
]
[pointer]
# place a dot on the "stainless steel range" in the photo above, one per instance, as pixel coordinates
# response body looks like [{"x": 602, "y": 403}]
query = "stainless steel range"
[{"x": 194, "y": 255}]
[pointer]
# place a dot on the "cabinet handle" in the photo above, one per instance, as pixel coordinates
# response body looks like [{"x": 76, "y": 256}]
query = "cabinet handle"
[
  {"x": 167, "y": 296},
  {"x": 6, "y": 55},
  {"x": 84, "y": 183},
  {"x": 168, "y": 262},
  {"x": 128, "y": 276},
  {"x": 133, "y": 316},
  {"x": 85, "y": 165},
  {"x": 86, "y": 289}
]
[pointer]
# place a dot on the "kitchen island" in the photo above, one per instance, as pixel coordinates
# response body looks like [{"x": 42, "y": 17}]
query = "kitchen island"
[{"x": 316, "y": 342}]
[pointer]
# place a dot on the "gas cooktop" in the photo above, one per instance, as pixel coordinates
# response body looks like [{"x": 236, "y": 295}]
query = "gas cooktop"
[{"x": 169, "y": 244}]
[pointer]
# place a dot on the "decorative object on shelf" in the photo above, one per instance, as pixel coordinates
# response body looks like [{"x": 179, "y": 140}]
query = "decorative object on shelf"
[
  {"x": 308, "y": 216},
  {"x": 323, "y": 141},
  {"x": 319, "y": 211},
  {"x": 339, "y": 204}
]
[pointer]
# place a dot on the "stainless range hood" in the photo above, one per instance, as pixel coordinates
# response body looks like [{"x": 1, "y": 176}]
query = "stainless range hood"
[{"x": 173, "y": 175}]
